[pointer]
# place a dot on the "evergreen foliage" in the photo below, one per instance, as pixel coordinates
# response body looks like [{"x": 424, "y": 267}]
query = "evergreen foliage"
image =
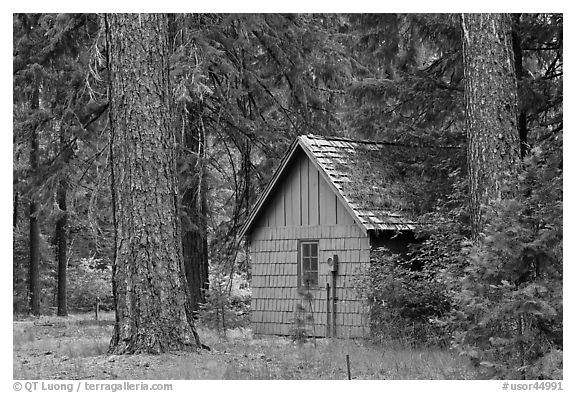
[
  {"x": 510, "y": 305},
  {"x": 504, "y": 298}
]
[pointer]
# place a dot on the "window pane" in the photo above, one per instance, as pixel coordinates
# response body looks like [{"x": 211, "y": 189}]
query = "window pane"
[
  {"x": 314, "y": 264},
  {"x": 306, "y": 249},
  {"x": 314, "y": 250},
  {"x": 309, "y": 264},
  {"x": 305, "y": 264}
]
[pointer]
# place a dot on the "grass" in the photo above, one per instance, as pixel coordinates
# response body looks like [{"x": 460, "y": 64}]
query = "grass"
[
  {"x": 76, "y": 348},
  {"x": 280, "y": 358}
]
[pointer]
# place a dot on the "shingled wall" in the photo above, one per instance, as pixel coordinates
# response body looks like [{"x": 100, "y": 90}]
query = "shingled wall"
[{"x": 275, "y": 296}]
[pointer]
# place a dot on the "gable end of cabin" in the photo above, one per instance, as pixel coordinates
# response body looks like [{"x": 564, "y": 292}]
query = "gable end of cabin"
[{"x": 300, "y": 226}]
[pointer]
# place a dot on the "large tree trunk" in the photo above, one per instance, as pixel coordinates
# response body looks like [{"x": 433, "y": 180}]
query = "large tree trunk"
[
  {"x": 491, "y": 110},
  {"x": 150, "y": 293},
  {"x": 61, "y": 231},
  {"x": 34, "y": 267}
]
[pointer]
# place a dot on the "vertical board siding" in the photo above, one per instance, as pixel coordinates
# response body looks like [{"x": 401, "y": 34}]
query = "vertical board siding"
[
  {"x": 313, "y": 192},
  {"x": 295, "y": 195},
  {"x": 305, "y": 194},
  {"x": 288, "y": 200},
  {"x": 277, "y": 214},
  {"x": 342, "y": 216},
  {"x": 304, "y": 207},
  {"x": 326, "y": 204}
]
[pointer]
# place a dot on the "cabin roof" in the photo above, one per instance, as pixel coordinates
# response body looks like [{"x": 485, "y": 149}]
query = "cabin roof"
[{"x": 354, "y": 171}]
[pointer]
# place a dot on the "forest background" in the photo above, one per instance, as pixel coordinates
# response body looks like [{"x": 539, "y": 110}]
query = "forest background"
[{"x": 244, "y": 86}]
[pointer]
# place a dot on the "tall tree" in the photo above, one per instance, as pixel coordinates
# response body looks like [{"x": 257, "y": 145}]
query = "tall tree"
[
  {"x": 194, "y": 206},
  {"x": 491, "y": 99},
  {"x": 29, "y": 119},
  {"x": 191, "y": 160},
  {"x": 511, "y": 286},
  {"x": 52, "y": 87},
  {"x": 62, "y": 227},
  {"x": 34, "y": 268},
  {"x": 150, "y": 293}
]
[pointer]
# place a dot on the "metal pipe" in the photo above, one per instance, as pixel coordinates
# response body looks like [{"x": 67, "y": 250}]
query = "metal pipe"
[
  {"x": 334, "y": 300},
  {"x": 327, "y": 310}
]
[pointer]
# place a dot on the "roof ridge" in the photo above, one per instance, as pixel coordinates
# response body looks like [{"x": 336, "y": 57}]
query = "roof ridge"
[
  {"x": 343, "y": 139},
  {"x": 387, "y": 143}
]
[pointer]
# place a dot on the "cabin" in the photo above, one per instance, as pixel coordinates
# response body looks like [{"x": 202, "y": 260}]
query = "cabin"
[{"x": 310, "y": 234}]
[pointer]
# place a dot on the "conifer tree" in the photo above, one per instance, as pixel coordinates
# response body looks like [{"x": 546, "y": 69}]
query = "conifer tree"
[
  {"x": 491, "y": 110},
  {"x": 150, "y": 293}
]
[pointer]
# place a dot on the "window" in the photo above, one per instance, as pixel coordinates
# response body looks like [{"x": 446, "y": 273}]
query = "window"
[{"x": 308, "y": 263}]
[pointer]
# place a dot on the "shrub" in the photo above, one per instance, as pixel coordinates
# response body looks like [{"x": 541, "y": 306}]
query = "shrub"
[
  {"x": 89, "y": 279},
  {"x": 405, "y": 299},
  {"x": 227, "y": 304},
  {"x": 511, "y": 302},
  {"x": 303, "y": 317}
]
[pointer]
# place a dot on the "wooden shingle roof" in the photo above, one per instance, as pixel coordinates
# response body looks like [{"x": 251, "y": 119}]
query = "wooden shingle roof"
[
  {"x": 357, "y": 173},
  {"x": 355, "y": 168}
]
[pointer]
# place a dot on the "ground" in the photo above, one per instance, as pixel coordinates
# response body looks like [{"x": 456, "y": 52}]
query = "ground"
[{"x": 76, "y": 347}]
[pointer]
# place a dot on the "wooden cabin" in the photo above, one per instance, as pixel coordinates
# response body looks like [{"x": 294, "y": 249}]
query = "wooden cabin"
[{"x": 311, "y": 233}]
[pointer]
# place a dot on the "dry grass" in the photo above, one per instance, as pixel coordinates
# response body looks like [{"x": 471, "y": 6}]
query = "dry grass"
[
  {"x": 58, "y": 347},
  {"x": 75, "y": 348}
]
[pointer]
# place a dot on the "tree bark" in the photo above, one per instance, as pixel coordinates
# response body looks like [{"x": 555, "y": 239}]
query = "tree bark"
[
  {"x": 149, "y": 286},
  {"x": 15, "y": 204},
  {"x": 491, "y": 111},
  {"x": 34, "y": 267},
  {"x": 519, "y": 69}
]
